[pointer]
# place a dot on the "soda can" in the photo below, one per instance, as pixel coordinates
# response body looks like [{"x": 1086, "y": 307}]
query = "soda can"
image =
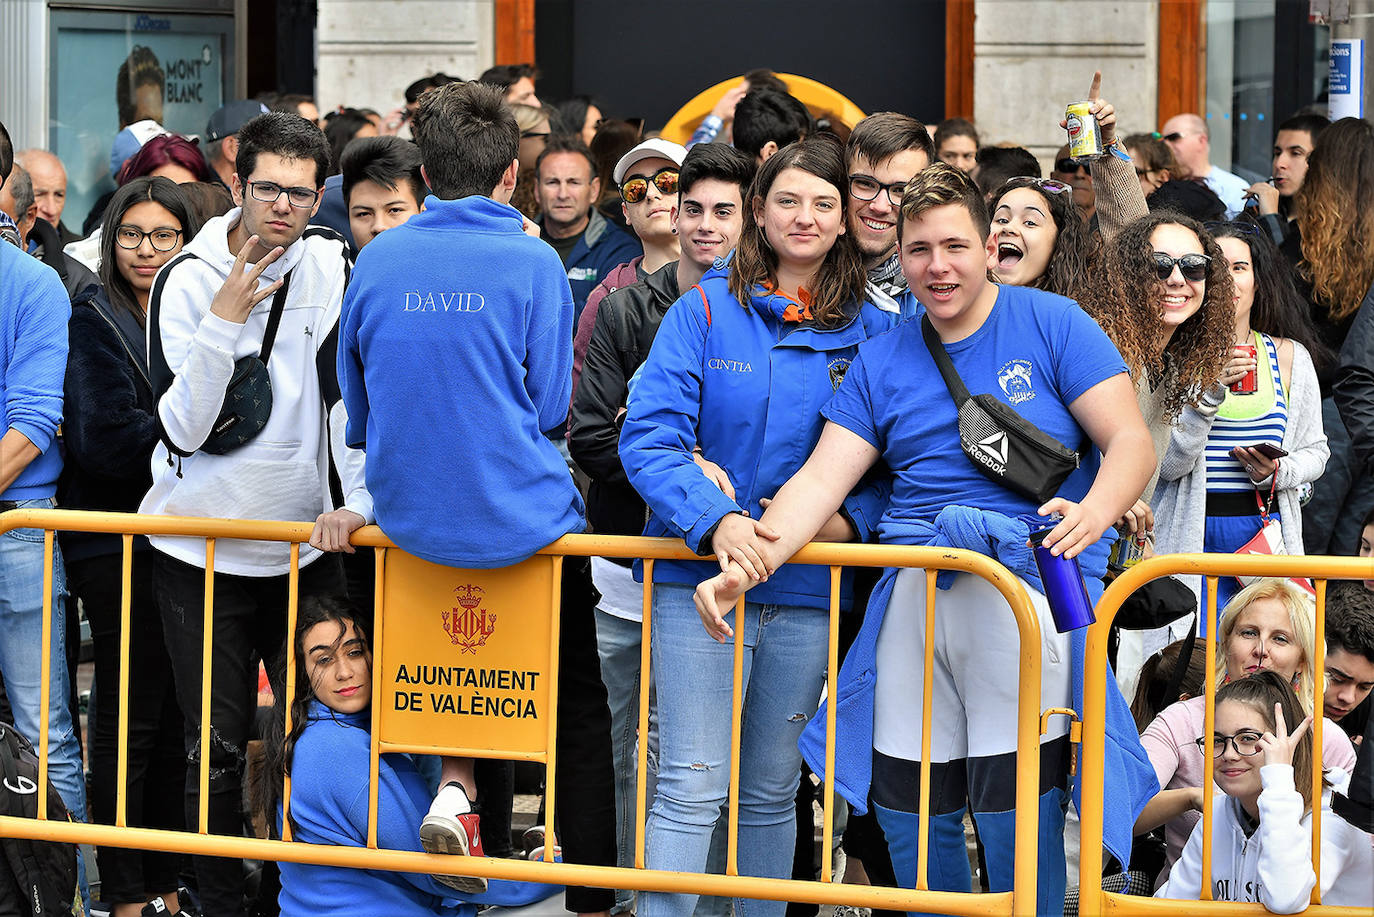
[
  {"x": 1128, "y": 551},
  {"x": 1247, "y": 384},
  {"x": 1085, "y": 136}
]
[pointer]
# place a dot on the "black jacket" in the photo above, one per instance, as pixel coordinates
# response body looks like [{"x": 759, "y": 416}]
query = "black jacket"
[
  {"x": 1354, "y": 384},
  {"x": 626, "y": 322},
  {"x": 109, "y": 429},
  {"x": 76, "y": 277}
]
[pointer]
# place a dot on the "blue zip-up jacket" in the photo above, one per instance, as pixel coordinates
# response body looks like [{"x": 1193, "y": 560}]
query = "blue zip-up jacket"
[
  {"x": 747, "y": 388},
  {"x": 34, "y": 310},
  {"x": 603, "y": 247},
  {"x": 455, "y": 354},
  {"x": 1130, "y": 778},
  {"x": 329, "y": 784}
]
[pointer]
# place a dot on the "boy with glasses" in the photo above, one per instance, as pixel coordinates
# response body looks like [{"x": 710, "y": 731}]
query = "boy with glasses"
[
  {"x": 210, "y": 307},
  {"x": 883, "y": 153}
]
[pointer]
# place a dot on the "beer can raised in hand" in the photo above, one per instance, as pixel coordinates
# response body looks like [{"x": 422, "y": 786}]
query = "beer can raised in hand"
[{"x": 1085, "y": 136}]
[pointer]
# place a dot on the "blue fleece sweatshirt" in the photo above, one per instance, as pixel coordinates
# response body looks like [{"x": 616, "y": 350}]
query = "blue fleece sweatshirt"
[
  {"x": 455, "y": 355},
  {"x": 34, "y": 310},
  {"x": 1130, "y": 779}
]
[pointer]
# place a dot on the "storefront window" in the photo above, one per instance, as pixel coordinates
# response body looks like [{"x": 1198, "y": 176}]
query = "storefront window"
[
  {"x": 1264, "y": 63},
  {"x": 184, "y": 68}
]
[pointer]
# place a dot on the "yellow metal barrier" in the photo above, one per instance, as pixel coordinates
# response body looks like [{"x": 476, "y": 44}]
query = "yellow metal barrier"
[
  {"x": 396, "y": 571},
  {"x": 1092, "y": 900}
]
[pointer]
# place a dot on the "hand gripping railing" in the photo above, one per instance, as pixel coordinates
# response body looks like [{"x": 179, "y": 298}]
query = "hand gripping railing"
[
  {"x": 1021, "y": 900},
  {"x": 1092, "y": 900}
]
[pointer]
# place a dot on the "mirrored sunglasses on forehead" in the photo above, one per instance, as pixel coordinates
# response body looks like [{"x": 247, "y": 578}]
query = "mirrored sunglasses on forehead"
[
  {"x": 1192, "y": 266},
  {"x": 633, "y": 190},
  {"x": 1041, "y": 184}
]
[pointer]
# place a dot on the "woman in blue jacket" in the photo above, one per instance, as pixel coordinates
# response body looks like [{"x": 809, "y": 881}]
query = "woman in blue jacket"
[
  {"x": 724, "y": 410},
  {"x": 327, "y": 755}
]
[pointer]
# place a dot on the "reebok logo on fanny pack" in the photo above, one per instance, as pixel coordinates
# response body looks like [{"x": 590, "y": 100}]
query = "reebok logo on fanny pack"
[{"x": 995, "y": 446}]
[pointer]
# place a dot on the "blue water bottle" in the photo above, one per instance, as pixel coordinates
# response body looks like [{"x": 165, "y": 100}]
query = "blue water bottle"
[{"x": 1065, "y": 590}]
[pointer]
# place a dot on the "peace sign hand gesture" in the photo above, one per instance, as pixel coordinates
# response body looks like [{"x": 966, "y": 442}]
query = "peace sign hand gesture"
[
  {"x": 240, "y": 293},
  {"x": 1278, "y": 746}
]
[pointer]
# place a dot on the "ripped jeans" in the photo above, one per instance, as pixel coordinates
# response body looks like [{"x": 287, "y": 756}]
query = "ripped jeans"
[
  {"x": 784, "y": 667},
  {"x": 249, "y": 623}
]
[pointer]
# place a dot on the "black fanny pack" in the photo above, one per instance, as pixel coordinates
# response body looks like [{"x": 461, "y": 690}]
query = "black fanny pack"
[
  {"x": 248, "y": 397},
  {"x": 1001, "y": 443}
]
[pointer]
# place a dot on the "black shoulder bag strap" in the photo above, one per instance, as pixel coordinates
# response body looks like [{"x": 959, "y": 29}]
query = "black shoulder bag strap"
[
  {"x": 957, "y": 390},
  {"x": 269, "y": 336}
]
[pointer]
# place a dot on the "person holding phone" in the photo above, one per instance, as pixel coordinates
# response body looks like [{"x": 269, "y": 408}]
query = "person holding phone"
[{"x": 1254, "y": 439}]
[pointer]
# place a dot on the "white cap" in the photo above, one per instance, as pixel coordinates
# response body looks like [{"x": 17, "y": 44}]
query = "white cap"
[{"x": 654, "y": 148}]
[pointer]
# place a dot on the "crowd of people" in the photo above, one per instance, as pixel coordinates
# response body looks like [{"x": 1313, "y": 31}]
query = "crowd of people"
[{"x": 765, "y": 337}]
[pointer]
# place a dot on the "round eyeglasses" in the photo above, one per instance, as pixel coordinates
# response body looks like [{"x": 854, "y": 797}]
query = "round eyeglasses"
[
  {"x": 163, "y": 239},
  {"x": 1246, "y": 744}
]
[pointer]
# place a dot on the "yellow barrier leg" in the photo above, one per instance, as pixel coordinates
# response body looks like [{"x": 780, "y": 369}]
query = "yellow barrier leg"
[
  {"x": 645, "y": 677},
  {"x": 45, "y": 674},
  {"x": 736, "y": 734},
  {"x": 122, "y": 748},
  {"x": 1319, "y": 667},
  {"x": 927, "y": 702},
  {"x": 206, "y": 666},
  {"x": 1208, "y": 726},
  {"x": 374, "y": 764},
  {"x": 832, "y": 653},
  {"x": 293, "y": 584},
  {"x": 551, "y": 757}
]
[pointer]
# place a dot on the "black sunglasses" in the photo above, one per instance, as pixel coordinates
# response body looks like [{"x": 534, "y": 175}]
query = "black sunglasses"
[
  {"x": 1193, "y": 266},
  {"x": 1067, "y": 166},
  {"x": 633, "y": 190}
]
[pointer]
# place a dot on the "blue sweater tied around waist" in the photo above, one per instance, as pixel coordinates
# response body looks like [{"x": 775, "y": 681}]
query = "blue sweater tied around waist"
[{"x": 1130, "y": 778}]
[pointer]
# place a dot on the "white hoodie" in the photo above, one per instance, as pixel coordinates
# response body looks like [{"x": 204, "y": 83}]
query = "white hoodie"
[
  {"x": 1274, "y": 865},
  {"x": 283, "y": 473}
]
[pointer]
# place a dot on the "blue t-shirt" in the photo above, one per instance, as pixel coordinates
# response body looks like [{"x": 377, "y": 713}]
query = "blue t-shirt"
[{"x": 1037, "y": 352}]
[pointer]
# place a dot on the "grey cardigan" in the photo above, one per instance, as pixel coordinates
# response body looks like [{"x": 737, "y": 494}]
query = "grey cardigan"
[{"x": 1180, "y": 499}]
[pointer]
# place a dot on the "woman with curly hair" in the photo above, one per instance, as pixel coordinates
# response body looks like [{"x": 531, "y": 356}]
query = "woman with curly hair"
[
  {"x": 1242, "y": 449},
  {"x": 1331, "y": 247},
  {"x": 1041, "y": 241}
]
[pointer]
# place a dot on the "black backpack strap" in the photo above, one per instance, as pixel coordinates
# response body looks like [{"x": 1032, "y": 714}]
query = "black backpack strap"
[{"x": 957, "y": 390}]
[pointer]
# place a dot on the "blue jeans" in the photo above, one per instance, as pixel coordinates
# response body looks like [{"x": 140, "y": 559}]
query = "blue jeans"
[
  {"x": 21, "y": 661},
  {"x": 784, "y": 667}
]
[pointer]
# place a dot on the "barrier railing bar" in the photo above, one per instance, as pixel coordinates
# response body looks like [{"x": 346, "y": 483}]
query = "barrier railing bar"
[
  {"x": 1318, "y": 686},
  {"x": 45, "y": 674},
  {"x": 122, "y": 748},
  {"x": 642, "y": 746},
  {"x": 1208, "y": 730},
  {"x": 293, "y": 583},
  {"x": 832, "y": 662},
  {"x": 206, "y": 677},
  {"x": 927, "y": 703},
  {"x": 736, "y": 736},
  {"x": 828, "y": 555},
  {"x": 374, "y": 755},
  {"x": 555, "y": 591},
  {"x": 499, "y": 868}
]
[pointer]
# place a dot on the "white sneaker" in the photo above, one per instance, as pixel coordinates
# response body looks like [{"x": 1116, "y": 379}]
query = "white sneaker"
[{"x": 452, "y": 828}]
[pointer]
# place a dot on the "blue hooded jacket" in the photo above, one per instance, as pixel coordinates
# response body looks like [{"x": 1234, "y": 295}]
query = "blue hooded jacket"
[
  {"x": 747, "y": 388},
  {"x": 1130, "y": 778}
]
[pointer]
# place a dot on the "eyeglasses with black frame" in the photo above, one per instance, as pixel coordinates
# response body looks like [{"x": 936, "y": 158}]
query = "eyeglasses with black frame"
[
  {"x": 866, "y": 188},
  {"x": 1246, "y": 743},
  {"x": 635, "y": 189},
  {"x": 163, "y": 239},
  {"x": 269, "y": 191},
  {"x": 1193, "y": 266}
]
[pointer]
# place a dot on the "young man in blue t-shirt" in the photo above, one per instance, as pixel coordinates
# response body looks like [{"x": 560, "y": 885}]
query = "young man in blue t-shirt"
[
  {"x": 1045, "y": 357},
  {"x": 455, "y": 356}
]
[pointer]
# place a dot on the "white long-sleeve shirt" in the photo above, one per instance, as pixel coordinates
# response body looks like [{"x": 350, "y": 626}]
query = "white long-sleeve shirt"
[
  {"x": 1273, "y": 866},
  {"x": 283, "y": 472}
]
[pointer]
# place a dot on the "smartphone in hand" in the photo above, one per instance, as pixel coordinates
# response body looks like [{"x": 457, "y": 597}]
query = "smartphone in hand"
[{"x": 1268, "y": 450}]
